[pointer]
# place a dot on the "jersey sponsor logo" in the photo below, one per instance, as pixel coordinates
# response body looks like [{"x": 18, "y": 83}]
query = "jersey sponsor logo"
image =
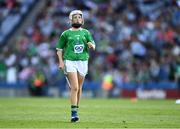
[{"x": 78, "y": 48}]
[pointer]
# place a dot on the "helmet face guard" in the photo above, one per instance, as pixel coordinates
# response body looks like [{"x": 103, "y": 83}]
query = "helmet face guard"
[{"x": 74, "y": 12}]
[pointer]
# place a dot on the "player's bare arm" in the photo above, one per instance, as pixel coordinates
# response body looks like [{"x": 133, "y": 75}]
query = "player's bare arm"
[{"x": 60, "y": 57}]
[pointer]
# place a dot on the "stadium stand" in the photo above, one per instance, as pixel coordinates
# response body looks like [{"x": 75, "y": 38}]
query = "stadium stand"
[
  {"x": 12, "y": 13},
  {"x": 138, "y": 44}
]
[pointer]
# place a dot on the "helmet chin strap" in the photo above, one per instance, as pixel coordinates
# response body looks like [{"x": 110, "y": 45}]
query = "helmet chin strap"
[{"x": 76, "y": 25}]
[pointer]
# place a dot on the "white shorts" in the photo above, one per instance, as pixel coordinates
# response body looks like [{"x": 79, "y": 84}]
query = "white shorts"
[{"x": 76, "y": 66}]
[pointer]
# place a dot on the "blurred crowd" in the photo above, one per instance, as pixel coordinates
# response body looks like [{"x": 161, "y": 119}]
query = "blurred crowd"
[
  {"x": 11, "y": 13},
  {"x": 138, "y": 41}
]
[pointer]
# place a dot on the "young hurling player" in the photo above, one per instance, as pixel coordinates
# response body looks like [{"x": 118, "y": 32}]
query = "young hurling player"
[{"x": 72, "y": 50}]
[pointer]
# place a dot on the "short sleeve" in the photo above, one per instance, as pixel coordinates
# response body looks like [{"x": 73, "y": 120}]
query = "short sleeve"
[
  {"x": 61, "y": 42},
  {"x": 89, "y": 37}
]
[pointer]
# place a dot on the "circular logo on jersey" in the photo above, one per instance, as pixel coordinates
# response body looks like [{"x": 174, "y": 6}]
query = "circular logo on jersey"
[{"x": 78, "y": 48}]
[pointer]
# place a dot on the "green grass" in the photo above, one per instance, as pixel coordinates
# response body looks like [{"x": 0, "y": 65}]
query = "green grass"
[{"x": 94, "y": 113}]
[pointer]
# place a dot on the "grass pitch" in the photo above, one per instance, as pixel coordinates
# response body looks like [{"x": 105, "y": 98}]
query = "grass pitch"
[{"x": 94, "y": 113}]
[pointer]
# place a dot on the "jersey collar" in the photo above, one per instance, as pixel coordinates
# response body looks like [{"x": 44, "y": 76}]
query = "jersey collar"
[{"x": 75, "y": 30}]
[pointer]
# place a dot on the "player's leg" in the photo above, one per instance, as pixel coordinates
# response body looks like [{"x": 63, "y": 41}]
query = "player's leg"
[
  {"x": 82, "y": 67},
  {"x": 80, "y": 84},
  {"x": 73, "y": 81},
  {"x": 72, "y": 78}
]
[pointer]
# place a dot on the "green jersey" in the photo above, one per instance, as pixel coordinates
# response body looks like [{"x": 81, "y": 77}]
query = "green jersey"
[{"x": 74, "y": 44}]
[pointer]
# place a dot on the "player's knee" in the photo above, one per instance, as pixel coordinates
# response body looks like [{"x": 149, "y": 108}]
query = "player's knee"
[{"x": 75, "y": 89}]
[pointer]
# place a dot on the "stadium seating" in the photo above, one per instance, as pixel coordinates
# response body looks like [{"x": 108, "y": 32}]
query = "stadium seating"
[{"x": 138, "y": 43}]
